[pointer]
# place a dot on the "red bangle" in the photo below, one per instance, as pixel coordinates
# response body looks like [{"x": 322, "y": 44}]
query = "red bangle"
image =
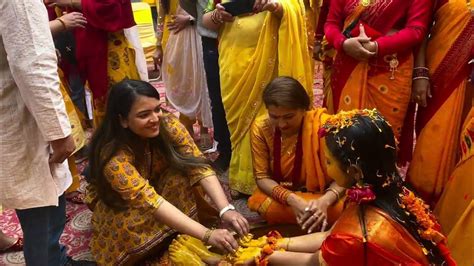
[{"x": 281, "y": 194}]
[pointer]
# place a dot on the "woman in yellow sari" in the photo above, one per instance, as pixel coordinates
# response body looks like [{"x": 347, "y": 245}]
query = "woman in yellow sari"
[
  {"x": 373, "y": 66},
  {"x": 439, "y": 117},
  {"x": 455, "y": 209},
  {"x": 288, "y": 162},
  {"x": 253, "y": 50}
]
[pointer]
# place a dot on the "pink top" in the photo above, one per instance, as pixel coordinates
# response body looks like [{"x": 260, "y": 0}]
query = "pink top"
[{"x": 410, "y": 18}]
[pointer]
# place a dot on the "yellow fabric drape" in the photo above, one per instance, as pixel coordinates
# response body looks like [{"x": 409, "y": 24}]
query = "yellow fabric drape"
[
  {"x": 168, "y": 18},
  {"x": 252, "y": 51},
  {"x": 455, "y": 209},
  {"x": 78, "y": 133},
  {"x": 434, "y": 157}
]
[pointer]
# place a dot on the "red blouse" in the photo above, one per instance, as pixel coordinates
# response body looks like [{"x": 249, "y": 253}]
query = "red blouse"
[{"x": 410, "y": 18}]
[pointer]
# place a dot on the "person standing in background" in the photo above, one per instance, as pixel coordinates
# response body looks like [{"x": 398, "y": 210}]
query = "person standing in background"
[
  {"x": 211, "y": 65},
  {"x": 35, "y": 132}
]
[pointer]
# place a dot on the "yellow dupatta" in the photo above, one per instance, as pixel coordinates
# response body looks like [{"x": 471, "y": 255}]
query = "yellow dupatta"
[
  {"x": 252, "y": 51},
  {"x": 434, "y": 157}
]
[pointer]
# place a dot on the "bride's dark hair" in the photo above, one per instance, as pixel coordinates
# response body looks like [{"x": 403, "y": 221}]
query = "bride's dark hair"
[{"x": 364, "y": 139}]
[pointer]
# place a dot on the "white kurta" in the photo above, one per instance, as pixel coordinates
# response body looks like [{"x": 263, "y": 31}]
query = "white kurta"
[{"x": 32, "y": 110}]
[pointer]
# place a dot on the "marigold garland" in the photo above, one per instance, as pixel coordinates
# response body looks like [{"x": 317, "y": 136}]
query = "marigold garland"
[
  {"x": 345, "y": 119},
  {"x": 416, "y": 207}
]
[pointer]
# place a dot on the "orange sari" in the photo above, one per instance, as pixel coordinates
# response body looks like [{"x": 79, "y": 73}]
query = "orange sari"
[
  {"x": 438, "y": 125},
  {"x": 388, "y": 242},
  {"x": 455, "y": 209},
  {"x": 313, "y": 174}
]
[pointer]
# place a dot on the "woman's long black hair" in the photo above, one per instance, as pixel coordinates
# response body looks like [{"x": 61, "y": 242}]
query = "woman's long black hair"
[
  {"x": 369, "y": 143},
  {"x": 110, "y": 137}
]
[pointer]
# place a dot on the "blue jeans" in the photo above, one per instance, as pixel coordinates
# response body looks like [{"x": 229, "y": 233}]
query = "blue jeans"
[{"x": 42, "y": 227}]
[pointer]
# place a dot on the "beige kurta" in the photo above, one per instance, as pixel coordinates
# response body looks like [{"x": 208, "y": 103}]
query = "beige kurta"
[{"x": 32, "y": 110}]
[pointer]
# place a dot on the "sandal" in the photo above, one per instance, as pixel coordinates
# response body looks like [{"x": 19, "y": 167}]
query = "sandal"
[{"x": 16, "y": 247}]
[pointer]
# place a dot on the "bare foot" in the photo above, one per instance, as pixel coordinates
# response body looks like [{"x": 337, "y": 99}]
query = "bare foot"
[
  {"x": 196, "y": 246},
  {"x": 182, "y": 256}
]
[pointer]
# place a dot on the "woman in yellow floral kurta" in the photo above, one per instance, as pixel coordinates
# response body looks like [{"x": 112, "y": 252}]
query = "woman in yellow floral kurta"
[{"x": 143, "y": 167}]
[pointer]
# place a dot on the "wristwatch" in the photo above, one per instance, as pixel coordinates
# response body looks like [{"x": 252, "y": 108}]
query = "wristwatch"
[
  {"x": 191, "y": 21},
  {"x": 227, "y": 208}
]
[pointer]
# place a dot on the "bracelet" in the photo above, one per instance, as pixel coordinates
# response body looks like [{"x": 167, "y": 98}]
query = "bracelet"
[
  {"x": 421, "y": 72},
  {"x": 333, "y": 191},
  {"x": 415, "y": 78},
  {"x": 281, "y": 194},
  {"x": 376, "y": 47},
  {"x": 227, "y": 208},
  {"x": 62, "y": 22},
  {"x": 207, "y": 236},
  {"x": 288, "y": 244}
]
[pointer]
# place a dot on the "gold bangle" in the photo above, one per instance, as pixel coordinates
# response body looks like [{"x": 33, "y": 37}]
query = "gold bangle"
[
  {"x": 62, "y": 22},
  {"x": 288, "y": 244},
  {"x": 207, "y": 236},
  {"x": 333, "y": 191}
]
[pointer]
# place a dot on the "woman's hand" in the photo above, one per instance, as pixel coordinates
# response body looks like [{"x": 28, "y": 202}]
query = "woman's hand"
[
  {"x": 158, "y": 56},
  {"x": 421, "y": 91},
  {"x": 238, "y": 222},
  {"x": 355, "y": 47},
  {"x": 223, "y": 240},
  {"x": 222, "y": 15},
  {"x": 298, "y": 204},
  {"x": 74, "y": 20},
  {"x": 178, "y": 23},
  {"x": 259, "y": 5},
  {"x": 315, "y": 215}
]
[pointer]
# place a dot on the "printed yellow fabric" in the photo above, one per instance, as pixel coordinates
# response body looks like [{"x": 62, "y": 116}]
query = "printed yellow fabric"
[
  {"x": 119, "y": 237},
  {"x": 77, "y": 131},
  {"x": 455, "y": 209},
  {"x": 252, "y": 51},
  {"x": 120, "y": 65}
]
